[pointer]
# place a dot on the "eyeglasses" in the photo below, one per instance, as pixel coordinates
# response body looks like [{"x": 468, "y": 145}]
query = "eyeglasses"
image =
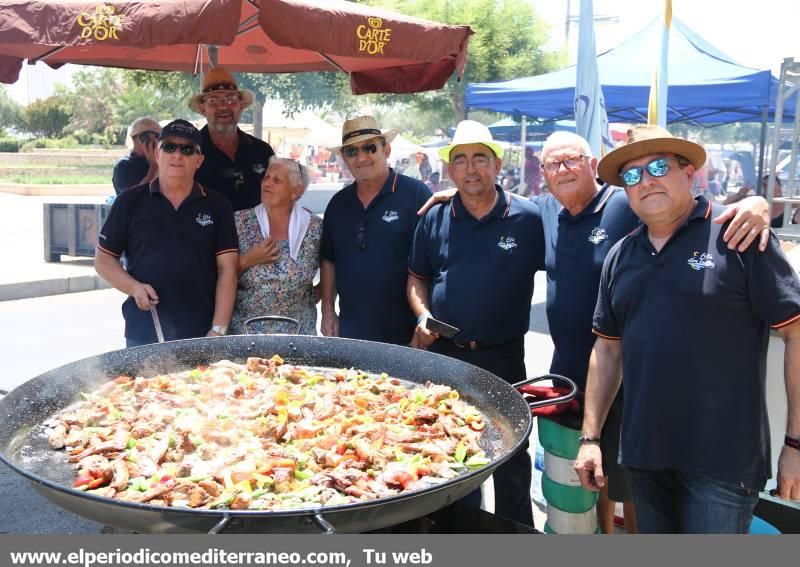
[
  {"x": 659, "y": 167},
  {"x": 570, "y": 163},
  {"x": 361, "y": 235},
  {"x": 302, "y": 175},
  {"x": 228, "y": 100},
  {"x": 144, "y": 137},
  {"x": 186, "y": 149},
  {"x": 353, "y": 151},
  {"x": 461, "y": 163}
]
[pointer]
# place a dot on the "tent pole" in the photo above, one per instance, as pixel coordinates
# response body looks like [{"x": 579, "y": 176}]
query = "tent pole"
[
  {"x": 524, "y": 138},
  {"x": 762, "y": 145}
]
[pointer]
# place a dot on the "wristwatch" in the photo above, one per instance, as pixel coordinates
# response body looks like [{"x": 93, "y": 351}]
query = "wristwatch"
[
  {"x": 586, "y": 439},
  {"x": 219, "y": 329},
  {"x": 792, "y": 442}
]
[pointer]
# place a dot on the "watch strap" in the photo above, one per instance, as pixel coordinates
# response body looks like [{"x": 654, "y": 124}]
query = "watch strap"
[{"x": 792, "y": 442}]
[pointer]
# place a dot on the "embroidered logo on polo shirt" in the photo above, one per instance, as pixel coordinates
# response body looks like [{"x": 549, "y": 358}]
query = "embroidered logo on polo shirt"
[
  {"x": 390, "y": 216},
  {"x": 507, "y": 243},
  {"x": 700, "y": 261},
  {"x": 598, "y": 235},
  {"x": 259, "y": 168},
  {"x": 204, "y": 219}
]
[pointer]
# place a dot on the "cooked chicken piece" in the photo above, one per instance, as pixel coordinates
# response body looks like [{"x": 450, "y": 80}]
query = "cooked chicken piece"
[
  {"x": 121, "y": 474},
  {"x": 57, "y": 436}
]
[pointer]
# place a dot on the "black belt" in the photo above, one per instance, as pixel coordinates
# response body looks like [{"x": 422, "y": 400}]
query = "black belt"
[{"x": 481, "y": 345}]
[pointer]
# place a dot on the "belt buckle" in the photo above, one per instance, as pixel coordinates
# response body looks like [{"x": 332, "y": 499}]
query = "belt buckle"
[{"x": 471, "y": 345}]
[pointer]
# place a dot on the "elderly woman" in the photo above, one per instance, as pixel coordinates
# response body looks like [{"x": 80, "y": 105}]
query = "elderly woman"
[{"x": 278, "y": 254}]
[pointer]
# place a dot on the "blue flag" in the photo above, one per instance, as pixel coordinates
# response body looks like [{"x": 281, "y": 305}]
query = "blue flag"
[{"x": 591, "y": 121}]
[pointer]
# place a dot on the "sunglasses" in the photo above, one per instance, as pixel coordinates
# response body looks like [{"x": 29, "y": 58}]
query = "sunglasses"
[
  {"x": 353, "y": 151},
  {"x": 572, "y": 162},
  {"x": 361, "y": 235},
  {"x": 659, "y": 167},
  {"x": 186, "y": 149}
]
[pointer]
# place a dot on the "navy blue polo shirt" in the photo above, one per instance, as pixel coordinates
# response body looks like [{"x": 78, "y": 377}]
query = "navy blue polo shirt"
[
  {"x": 239, "y": 180},
  {"x": 129, "y": 171},
  {"x": 175, "y": 251},
  {"x": 575, "y": 247},
  {"x": 369, "y": 248},
  {"x": 481, "y": 271},
  {"x": 694, "y": 322}
]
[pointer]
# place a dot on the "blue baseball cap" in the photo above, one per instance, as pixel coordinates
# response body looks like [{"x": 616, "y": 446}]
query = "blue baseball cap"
[{"x": 181, "y": 129}]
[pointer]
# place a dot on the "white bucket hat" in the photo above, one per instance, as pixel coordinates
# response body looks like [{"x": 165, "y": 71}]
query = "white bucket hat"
[{"x": 471, "y": 132}]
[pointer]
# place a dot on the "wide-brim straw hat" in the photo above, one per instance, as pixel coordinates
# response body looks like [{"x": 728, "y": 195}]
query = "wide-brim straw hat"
[
  {"x": 363, "y": 128},
  {"x": 219, "y": 79},
  {"x": 471, "y": 132},
  {"x": 643, "y": 140}
]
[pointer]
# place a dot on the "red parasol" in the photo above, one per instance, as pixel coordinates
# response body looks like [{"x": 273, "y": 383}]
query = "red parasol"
[{"x": 382, "y": 51}]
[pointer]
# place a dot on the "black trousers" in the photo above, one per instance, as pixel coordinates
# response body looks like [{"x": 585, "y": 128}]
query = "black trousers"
[{"x": 512, "y": 480}]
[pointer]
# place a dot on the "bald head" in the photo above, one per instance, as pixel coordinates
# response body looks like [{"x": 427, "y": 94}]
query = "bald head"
[{"x": 564, "y": 139}]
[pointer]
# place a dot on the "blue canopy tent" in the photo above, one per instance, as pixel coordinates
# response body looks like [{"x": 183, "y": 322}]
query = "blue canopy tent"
[
  {"x": 509, "y": 130},
  {"x": 706, "y": 87}
]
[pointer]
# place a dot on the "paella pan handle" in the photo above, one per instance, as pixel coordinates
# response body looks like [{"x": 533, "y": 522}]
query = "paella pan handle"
[
  {"x": 323, "y": 524},
  {"x": 220, "y": 526},
  {"x": 552, "y": 401},
  {"x": 279, "y": 318}
]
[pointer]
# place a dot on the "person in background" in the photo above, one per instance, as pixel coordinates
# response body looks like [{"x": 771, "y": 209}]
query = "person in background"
[
  {"x": 695, "y": 432},
  {"x": 234, "y": 161},
  {"x": 433, "y": 182},
  {"x": 533, "y": 173},
  {"x": 180, "y": 242},
  {"x": 278, "y": 254},
  {"x": 424, "y": 166},
  {"x": 366, "y": 237},
  {"x": 140, "y": 165},
  {"x": 776, "y": 211}
]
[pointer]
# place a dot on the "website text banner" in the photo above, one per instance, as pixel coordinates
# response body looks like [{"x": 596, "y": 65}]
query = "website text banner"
[{"x": 394, "y": 550}]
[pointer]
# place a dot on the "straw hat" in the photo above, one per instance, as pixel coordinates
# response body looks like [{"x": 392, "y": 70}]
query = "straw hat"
[
  {"x": 471, "y": 132},
  {"x": 219, "y": 79},
  {"x": 362, "y": 128},
  {"x": 646, "y": 139}
]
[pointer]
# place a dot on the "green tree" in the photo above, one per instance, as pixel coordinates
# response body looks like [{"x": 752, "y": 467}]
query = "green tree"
[
  {"x": 48, "y": 117},
  {"x": 11, "y": 112},
  {"x": 508, "y": 43}
]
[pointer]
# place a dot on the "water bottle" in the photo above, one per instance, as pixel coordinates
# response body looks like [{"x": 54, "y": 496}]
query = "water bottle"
[{"x": 536, "y": 476}]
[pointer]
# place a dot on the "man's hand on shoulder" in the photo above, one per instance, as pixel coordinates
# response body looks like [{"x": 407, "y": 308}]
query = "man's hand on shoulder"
[
  {"x": 750, "y": 218},
  {"x": 436, "y": 198}
]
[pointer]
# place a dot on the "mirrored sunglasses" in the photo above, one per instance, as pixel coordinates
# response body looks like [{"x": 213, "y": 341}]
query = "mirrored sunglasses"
[
  {"x": 353, "y": 151},
  {"x": 659, "y": 167},
  {"x": 186, "y": 149}
]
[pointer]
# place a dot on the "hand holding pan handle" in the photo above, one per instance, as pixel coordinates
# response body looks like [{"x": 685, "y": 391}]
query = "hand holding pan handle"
[
  {"x": 271, "y": 318},
  {"x": 563, "y": 399}
]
